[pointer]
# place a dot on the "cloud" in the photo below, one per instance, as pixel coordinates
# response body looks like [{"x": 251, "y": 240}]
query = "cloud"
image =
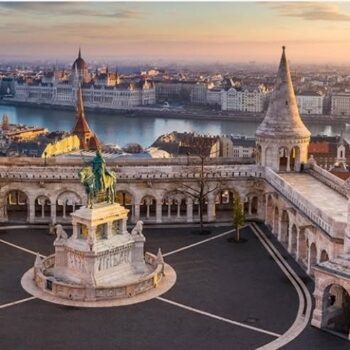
[
  {"x": 311, "y": 11},
  {"x": 107, "y": 10}
]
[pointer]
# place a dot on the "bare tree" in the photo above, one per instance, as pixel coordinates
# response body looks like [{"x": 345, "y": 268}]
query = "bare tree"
[{"x": 200, "y": 148}]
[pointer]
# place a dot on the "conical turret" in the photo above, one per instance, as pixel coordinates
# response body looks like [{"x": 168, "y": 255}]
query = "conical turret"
[
  {"x": 282, "y": 116},
  {"x": 282, "y": 138}
]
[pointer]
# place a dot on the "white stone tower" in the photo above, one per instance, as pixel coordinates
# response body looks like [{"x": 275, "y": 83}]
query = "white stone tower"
[{"x": 282, "y": 139}]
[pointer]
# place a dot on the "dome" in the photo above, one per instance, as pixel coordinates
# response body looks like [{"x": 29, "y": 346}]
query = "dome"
[
  {"x": 79, "y": 63},
  {"x": 282, "y": 118}
]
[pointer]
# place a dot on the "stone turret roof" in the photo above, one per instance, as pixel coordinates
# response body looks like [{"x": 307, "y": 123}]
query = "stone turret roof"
[{"x": 282, "y": 117}]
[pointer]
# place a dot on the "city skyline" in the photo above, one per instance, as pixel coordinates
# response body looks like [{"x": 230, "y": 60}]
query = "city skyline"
[{"x": 227, "y": 31}]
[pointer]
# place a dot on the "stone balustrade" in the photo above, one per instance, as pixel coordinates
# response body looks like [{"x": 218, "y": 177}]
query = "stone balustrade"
[
  {"x": 318, "y": 217},
  {"x": 84, "y": 293},
  {"x": 327, "y": 178}
]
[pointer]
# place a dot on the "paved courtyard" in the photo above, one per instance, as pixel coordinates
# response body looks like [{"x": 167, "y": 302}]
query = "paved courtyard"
[{"x": 227, "y": 296}]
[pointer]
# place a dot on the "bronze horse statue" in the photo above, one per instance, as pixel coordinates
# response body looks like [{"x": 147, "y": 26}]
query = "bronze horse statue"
[{"x": 89, "y": 179}]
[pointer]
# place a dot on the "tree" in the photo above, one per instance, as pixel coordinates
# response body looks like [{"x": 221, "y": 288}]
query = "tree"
[
  {"x": 238, "y": 216},
  {"x": 199, "y": 147}
]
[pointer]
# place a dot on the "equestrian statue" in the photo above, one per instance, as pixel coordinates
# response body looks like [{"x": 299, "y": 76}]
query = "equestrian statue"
[{"x": 99, "y": 182}]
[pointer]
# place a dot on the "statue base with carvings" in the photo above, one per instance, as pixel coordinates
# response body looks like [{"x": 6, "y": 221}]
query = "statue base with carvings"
[{"x": 101, "y": 264}]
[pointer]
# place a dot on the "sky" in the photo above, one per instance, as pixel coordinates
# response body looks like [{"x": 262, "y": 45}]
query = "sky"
[{"x": 314, "y": 32}]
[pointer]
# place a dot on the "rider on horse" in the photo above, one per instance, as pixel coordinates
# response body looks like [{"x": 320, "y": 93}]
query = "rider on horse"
[{"x": 100, "y": 171}]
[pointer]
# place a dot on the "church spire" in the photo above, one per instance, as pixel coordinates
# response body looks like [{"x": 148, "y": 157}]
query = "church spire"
[
  {"x": 88, "y": 139},
  {"x": 79, "y": 53}
]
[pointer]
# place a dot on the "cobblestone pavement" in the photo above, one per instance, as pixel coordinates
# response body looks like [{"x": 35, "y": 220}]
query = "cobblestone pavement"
[{"x": 227, "y": 296}]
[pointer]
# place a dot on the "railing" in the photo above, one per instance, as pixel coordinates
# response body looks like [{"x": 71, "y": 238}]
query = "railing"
[
  {"x": 130, "y": 173},
  {"x": 320, "y": 218},
  {"x": 327, "y": 178}
]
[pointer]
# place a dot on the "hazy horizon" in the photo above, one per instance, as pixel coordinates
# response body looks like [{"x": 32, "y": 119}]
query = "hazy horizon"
[{"x": 314, "y": 32}]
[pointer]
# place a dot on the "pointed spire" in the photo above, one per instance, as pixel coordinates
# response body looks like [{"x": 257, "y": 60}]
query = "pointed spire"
[
  {"x": 79, "y": 53},
  {"x": 88, "y": 140},
  {"x": 282, "y": 117}
]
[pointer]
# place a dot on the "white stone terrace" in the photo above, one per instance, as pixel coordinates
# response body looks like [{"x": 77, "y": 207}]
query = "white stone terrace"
[{"x": 323, "y": 205}]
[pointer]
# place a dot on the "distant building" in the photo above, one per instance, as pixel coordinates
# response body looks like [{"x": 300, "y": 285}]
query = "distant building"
[
  {"x": 199, "y": 93},
  {"x": 244, "y": 99},
  {"x": 329, "y": 151},
  {"x": 243, "y": 147},
  {"x": 107, "y": 91},
  {"x": 187, "y": 144},
  {"x": 174, "y": 90},
  {"x": 310, "y": 102},
  {"x": 340, "y": 104}
]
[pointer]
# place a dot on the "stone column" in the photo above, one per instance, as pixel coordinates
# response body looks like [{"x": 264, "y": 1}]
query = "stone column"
[
  {"x": 189, "y": 209},
  {"x": 137, "y": 212},
  {"x": 159, "y": 212},
  {"x": 169, "y": 210},
  {"x": 309, "y": 260},
  {"x": 147, "y": 210},
  {"x": 31, "y": 211},
  {"x": 288, "y": 163},
  {"x": 290, "y": 238},
  {"x": 249, "y": 206},
  {"x": 53, "y": 212},
  {"x": 178, "y": 210}
]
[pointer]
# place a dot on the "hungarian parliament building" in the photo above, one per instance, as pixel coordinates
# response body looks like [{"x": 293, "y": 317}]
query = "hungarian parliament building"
[{"x": 102, "y": 90}]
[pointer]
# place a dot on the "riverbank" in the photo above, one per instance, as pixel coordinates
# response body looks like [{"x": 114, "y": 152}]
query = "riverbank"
[{"x": 197, "y": 114}]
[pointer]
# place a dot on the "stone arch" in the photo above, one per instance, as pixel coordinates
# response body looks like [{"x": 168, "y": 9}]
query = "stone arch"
[
  {"x": 275, "y": 227},
  {"x": 283, "y": 155},
  {"x": 148, "y": 207},
  {"x": 294, "y": 158},
  {"x": 254, "y": 205},
  {"x": 324, "y": 256},
  {"x": 174, "y": 205},
  {"x": 67, "y": 202},
  {"x": 42, "y": 208},
  {"x": 293, "y": 240},
  {"x": 303, "y": 248},
  {"x": 224, "y": 200},
  {"x": 17, "y": 206},
  {"x": 336, "y": 309},
  {"x": 284, "y": 228}
]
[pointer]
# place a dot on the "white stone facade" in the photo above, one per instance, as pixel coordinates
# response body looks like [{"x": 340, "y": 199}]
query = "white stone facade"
[
  {"x": 310, "y": 104},
  {"x": 103, "y": 97},
  {"x": 243, "y": 100},
  {"x": 340, "y": 104}
]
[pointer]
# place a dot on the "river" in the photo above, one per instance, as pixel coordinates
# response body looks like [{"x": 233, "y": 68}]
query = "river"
[{"x": 119, "y": 129}]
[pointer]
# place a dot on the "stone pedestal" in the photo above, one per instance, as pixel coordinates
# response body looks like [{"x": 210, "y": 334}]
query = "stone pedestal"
[{"x": 101, "y": 251}]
